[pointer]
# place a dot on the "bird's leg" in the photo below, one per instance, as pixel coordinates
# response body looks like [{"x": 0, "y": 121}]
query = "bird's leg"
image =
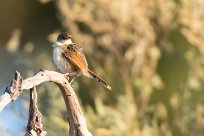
[
  {"x": 67, "y": 76},
  {"x": 72, "y": 80},
  {"x": 71, "y": 74}
]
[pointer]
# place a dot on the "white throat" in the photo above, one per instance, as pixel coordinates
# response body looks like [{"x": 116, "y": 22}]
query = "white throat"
[
  {"x": 68, "y": 41},
  {"x": 58, "y": 44}
]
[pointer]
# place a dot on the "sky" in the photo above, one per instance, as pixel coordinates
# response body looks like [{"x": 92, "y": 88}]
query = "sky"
[{"x": 12, "y": 121}]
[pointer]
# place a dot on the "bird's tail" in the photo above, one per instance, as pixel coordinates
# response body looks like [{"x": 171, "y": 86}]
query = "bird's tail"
[{"x": 100, "y": 80}]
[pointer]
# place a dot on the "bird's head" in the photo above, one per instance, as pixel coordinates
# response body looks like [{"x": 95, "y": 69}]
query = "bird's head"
[{"x": 64, "y": 38}]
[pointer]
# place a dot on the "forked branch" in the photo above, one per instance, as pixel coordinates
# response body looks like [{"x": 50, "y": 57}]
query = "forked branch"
[{"x": 76, "y": 117}]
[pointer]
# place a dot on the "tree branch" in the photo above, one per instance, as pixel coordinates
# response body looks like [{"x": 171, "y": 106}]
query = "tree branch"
[
  {"x": 76, "y": 117},
  {"x": 12, "y": 92},
  {"x": 34, "y": 127}
]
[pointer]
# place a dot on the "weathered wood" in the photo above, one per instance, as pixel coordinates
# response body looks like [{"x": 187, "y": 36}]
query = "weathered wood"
[
  {"x": 76, "y": 117},
  {"x": 12, "y": 92},
  {"x": 34, "y": 127}
]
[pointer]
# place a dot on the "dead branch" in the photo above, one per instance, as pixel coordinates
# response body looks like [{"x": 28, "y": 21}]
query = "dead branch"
[
  {"x": 34, "y": 127},
  {"x": 76, "y": 117},
  {"x": 12, "y": 92}
]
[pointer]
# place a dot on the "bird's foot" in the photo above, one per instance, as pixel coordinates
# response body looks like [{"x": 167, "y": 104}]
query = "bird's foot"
[{"x": 67, "y": 76}]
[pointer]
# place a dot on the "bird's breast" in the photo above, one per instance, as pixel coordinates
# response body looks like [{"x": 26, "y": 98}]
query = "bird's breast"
[{"x": 60, "y": 61}]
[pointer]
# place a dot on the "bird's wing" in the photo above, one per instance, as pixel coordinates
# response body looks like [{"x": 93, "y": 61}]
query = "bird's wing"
[
  {"x": 74, "y": 53},
  {"x": 78, "y": 46}
]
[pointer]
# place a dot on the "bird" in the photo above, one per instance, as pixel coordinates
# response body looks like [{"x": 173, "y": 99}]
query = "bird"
[{"x": 70, "y": 59}]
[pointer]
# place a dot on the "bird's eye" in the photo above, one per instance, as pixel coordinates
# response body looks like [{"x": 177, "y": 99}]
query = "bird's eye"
[{"x": 65, "y": 36}]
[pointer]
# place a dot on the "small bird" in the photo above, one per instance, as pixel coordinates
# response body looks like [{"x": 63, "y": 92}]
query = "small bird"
[{"x": 70, "y": 59}]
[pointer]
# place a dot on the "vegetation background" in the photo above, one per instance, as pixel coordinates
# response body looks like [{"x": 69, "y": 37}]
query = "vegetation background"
[{"x": 150, "y": 51}]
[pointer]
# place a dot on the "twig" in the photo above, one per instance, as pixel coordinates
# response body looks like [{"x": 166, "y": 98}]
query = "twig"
[
  {"x": 34, "y": 127},
  {"x": 76, "y": 117}
]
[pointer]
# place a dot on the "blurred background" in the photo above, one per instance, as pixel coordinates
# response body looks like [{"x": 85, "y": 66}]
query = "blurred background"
[{"x": 151, "y": 52}]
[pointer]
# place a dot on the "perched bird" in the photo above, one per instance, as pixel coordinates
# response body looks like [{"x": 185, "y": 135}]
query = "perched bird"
[{"x": 70, "y": 59}]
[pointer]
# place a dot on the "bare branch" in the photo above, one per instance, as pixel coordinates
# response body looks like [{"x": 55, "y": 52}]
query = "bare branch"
[
  {"x": 76, "y": 117},
  {"x": 34, "y": 127},
  {"x": 12, "y": 92}
]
